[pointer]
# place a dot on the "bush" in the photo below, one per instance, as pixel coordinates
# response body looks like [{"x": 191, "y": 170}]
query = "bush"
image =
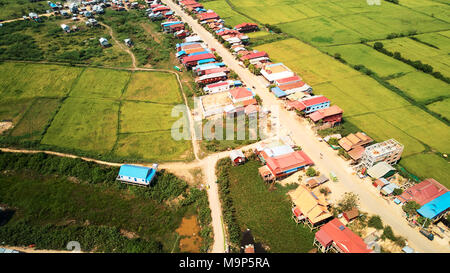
[
  {"x": 311, "y": 172},
  {"x": 348, "y": 202},
  {"x": 375, "y": 222},
  {"x": 411, "y": 207}
]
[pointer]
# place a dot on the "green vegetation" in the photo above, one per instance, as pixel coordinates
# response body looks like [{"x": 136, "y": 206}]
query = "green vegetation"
[
  {"x": 375, "y": 222},
  {"x": 56, "y": 200},
  {"x": 11, "y": 9},
  {"x": 441, "y": 107},
  {"x": 428, "y": 165},
  {"x": 58, "y": 107},
  {"x": 28, "y": 40},
  {"x": 248, "y": 203},
  {"x": 411, "y": 208}
]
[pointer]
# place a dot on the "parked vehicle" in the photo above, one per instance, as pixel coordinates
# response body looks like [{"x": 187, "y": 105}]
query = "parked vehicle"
[{"x": 427, "y": 234}]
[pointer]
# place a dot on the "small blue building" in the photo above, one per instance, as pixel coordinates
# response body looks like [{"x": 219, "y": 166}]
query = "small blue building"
[{"x": 137, "y": 175}]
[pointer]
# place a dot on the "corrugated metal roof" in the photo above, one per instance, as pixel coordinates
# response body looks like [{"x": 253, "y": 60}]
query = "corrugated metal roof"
[{"x": 436, "y": 206}]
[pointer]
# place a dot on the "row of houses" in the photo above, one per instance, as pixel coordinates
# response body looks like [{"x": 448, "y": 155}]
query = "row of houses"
[{"x": 285, "y": 84}]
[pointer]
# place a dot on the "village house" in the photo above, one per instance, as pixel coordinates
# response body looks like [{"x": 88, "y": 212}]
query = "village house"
[
  {"x": 246, "y": 27},
  {"x": 423, "y": 192},
  {"x": 273, "y": 72},
  {"x": 353, "y": 140},
  {"x": 241, "y": 94},
  {"x": 286, "y": 164},
  {"x": 254, "y": 57},
  {"x": 310, "y": 104},
  {"x": 328, "y": 116},
  {"x": 436, "y": 207},
  {"x": 190, "y": 61},
  {"x": 309, "y": 207},
  {"x": 104, "y": 42},
  {"x": 381, "y": 170},
  {"x": 335, "y": 237},
  {"x": 211, "y": 78},
  {"x": 137, "y": 175},
  {"x": 237, "y": 157}
]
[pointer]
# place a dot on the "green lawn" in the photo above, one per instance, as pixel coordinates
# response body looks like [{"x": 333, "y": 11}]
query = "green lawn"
[
  {"x": 266, "y": 213},
  {"x": 84, "y": 124},
  {"x": 11, "y": 9},
  {"x": 428, "y": 165}
]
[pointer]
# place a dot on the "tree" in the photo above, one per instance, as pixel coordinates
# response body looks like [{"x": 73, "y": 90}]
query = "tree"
[
  {"x": 378, "y": 45},
  {"x": 348, "y": 202},
  {"x": 311, "y": 172},
  {"x": 411, "y": 207},
  {"x": 333, "y": 141},
  {"x": 397, "y": 192},
  {"x": 375, "y": 222}
]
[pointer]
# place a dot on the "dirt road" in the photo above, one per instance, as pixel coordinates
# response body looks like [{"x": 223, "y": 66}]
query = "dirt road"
[{"x": 303, "y": 135}]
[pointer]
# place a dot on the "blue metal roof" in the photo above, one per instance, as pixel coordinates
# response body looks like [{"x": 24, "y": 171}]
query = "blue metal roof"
[
  {"x": 435, "y": 206},
  {"x": 171, "y": 23},
  {"x": 137, "y": 172},
  {"x": 200, "y": 53},
  {"x": 278, "y": 92},
  {"x": 179, "y": 53},
  {"x": 205, "y": 61}
]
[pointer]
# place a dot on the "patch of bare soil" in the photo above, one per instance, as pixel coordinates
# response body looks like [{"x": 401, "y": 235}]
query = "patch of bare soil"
[
  {"x": 5, "y": 126},
  {"x": 128, "y": 234},
  {"x": 189, "y": 230}
]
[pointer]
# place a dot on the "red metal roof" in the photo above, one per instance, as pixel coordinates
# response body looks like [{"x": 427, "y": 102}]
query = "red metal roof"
[
  {"x": 207, "y": 15},
  {"x": 246, "y": 25},
  {"x": 424, "y": 192},
  {"x": 315, "y": 100},
  {"x": 297, "y": 105},
  {"x": 282, "y": 163},
  {"x": 162, "y": 8},
  {"x": 292, "y": 85},
  {"x": 288, "y": 80},
  {"x": 240, "y": 93},
  {"x": 343, "y": 238},
  {"x": 254, "y": 55},
  {"x": 216, "y": 70},
  {"x": 199, "y": 57},
  {"x": 217, "y": 84}
]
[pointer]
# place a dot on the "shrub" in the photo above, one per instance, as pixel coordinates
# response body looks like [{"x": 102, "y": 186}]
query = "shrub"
[
  {"x": 311, "y": 172},
  {"x": 375, "y": 222}
]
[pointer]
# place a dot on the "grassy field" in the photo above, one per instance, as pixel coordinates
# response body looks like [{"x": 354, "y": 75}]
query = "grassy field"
[
  {"x": 104, "y": 112},
  {"x": 28, "y": 40},
  {"x": 428, "y": 165},
  {"x": 36, "y": 118},
  {"x": 100, "y": 83},
  {"x": 266, "y": 213},
  {"x": 33, "y": 80},
  {"x": 84, "y": 124},
  {"x": 441, "y": 107},
  {"x": 377, "y": 62},
  {"x": 158, "y": 87},
  {"x": 11, "y": 9},
  {"x": 421, "y": 87},
  {"x": 438, "y": 57}
]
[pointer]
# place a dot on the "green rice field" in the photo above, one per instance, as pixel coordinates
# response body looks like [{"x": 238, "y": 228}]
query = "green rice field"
[
  {"x": 441, "y": 107},
  {"x": 97, "y": 112}
]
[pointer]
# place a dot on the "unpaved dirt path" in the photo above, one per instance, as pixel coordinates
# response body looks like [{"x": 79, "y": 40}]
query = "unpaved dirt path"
[{"x": 121, "y": 45}]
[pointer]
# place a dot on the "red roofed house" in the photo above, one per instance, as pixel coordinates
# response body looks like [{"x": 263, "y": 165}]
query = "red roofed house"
[
  {"x": 311, "y": 104},
  {"x": 192, "y": 60},
  {"x": 240, "y": 94},
  {"x": 254, "y": 55},
  {"x": 246, "y": 27},
  {"x": 288, "y": 80},
  {"x": 331, "y": 115},
  {"x": 293, "y": 87},
  {"x": 175, "y": 28},
  {"x": 423, "y": 192},
  {"x": 335, "y": 237},
  {"x": 286, "y": 164},
  {"x": 207, "y": 16}
]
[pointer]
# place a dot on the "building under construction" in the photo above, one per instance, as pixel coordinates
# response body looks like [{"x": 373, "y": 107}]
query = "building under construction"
[{"x": 388, "y": 151}]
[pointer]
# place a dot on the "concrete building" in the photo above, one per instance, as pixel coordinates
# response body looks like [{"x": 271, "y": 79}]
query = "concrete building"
[{"x": 388, "y": 151}]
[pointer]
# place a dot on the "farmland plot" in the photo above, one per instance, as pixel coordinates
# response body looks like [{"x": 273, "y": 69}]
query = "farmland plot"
[{"x": 441, "y": 107}]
